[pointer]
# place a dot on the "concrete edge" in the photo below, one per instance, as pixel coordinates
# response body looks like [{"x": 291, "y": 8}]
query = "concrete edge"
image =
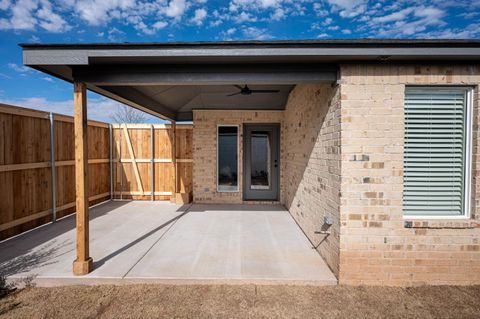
[{"x": 119, "y": 281}]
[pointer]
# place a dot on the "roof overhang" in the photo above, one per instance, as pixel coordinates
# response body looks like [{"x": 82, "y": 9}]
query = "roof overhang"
[{"x": 141, "y": 74}]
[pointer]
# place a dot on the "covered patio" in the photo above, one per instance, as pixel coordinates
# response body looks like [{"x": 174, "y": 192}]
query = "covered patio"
[
  {"x": 173, "y": 81},
  {"x": 142, "y": 241}
]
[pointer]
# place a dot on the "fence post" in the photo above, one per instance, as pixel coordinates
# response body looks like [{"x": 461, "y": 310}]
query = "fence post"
[
  {"x": 174, "y": 157},
  {"x": 152, "y": 160},
  {"x": 52, "y": 166},
  {"x": 120, "y": 160},
  {"x": 111, "y": 156}
]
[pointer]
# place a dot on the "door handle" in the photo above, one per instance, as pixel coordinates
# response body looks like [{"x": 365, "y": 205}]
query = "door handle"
[{"x": 276, "y": 163}]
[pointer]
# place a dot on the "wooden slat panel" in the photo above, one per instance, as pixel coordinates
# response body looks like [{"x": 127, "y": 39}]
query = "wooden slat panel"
[
  {"x": 125, "y": 184},
  {"x": 184, "y": 140},
  {"x": 184, "y": 177},
  {"x": 25, "y": 173},
  {"x": 132, "y": 157}
]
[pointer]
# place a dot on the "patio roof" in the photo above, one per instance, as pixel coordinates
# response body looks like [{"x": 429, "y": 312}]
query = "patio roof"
[{"x": 171, "y": 79}]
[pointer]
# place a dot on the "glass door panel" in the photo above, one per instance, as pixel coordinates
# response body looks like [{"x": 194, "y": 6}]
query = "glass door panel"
[{"x": 260, "y": 160}]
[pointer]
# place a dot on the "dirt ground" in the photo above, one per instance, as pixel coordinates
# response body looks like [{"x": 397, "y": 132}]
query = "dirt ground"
[{"x": 242, "y": 301}]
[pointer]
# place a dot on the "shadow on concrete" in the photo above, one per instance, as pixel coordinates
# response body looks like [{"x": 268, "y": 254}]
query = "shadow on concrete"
[
  {"x": 38, "y": 247},
  {"x": 102, "y": 261},
  {"x": 27, "y": 262}
]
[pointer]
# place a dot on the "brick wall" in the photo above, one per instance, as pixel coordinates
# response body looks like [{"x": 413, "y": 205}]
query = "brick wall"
[
  {"x": 311, "y": 165},
  {"x": 375, "y": 247},
  {"x": 205, "y": 150}
]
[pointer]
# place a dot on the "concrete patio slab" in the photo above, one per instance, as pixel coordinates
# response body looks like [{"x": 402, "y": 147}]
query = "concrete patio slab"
[{"x": 144, "y": 241}]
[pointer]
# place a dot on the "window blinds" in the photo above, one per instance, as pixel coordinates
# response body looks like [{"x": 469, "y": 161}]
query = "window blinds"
[{"x": 434, "y": 154}]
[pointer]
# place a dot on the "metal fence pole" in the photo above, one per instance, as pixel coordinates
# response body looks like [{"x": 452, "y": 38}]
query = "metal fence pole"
[
  {"x": 152, "y": 159},
  {"x": 120, "y": 161},
  {"x": 52, "y": 166},
  {"x": 111, "y": 156}
]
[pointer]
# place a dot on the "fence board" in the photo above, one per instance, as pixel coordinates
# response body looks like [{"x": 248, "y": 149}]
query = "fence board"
[
  {"x": 125, "y": 179},
  {"x": 25, "y": 167}
]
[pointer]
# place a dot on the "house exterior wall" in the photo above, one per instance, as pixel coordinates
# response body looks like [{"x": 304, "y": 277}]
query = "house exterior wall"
[
  {"x": 375, "y": 247},
  {"x": 311, "y": 165},
  {"x": 342, "y": 157},
  {"x": 205, "y": 124}
]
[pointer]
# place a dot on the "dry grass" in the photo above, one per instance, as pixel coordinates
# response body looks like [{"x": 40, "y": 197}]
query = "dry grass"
[{"x": 241, "y": 301}]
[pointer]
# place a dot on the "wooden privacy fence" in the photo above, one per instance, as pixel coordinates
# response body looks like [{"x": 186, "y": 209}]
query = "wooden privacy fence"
[
  {"x": 124, "y": 162},
  {"x": 152, "y": 161},
  {"x": 27, "y": 154}
]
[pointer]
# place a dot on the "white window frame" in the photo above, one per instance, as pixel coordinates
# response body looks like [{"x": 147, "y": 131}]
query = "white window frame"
[
  {"x": 468, "y": 155},
  {"x": 238, "y": 159}
]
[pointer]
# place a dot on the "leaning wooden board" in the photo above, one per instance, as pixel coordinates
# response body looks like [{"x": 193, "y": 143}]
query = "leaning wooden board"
[{"x": 133, "y": 159}]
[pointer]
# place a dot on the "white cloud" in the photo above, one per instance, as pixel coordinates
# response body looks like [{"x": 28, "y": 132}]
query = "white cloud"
[
  {"x": 255, "y": 33},
  {"x": 5, "y": 4},
  {"x": 200, "y": 15},
  {"x": 21, "y": 16},
  {"x": 47, "y": 78},
  {"x": 176, "y": 9},
  {"x": 19, "y": 68},
  {"x": 349, "y": 8},
  {"x": 227, "y": 35},
  {"x": 115, "y": 35},
  {"x": 159, "y": 25},
  {"x": 34, "y": 39},
  {"x": 50, "y": 21},
  {"x": 28, "y": 14},
  {"x": 141, "y": 26},
  {"x": 410, "y": 25},
  {"x": 395, "y": 16},
  {"x": 231, "y": 31},
  {"x": 243, "y": 4},
  {"x": 98, "y": 12},
  {"x": 279, "y": 14},
  {"x": 244, "y": 17},
  {"x": 320, "y": 10},
  {"x": 471, "y": 31}
]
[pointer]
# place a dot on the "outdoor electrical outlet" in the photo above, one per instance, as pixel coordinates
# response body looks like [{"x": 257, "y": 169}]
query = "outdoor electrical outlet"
[{"x": 327, "y": 220}]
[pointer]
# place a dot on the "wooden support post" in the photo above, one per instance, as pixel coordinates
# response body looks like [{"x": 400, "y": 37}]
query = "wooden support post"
[
  {"x": 174, "y": 159},
  {"x": 83, "y": 264}
]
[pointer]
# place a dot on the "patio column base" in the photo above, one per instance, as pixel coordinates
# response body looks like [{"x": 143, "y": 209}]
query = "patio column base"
[{"x": 82, "y": 267}]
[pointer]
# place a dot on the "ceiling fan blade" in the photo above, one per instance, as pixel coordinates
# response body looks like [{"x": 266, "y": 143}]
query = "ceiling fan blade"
[
  {"x": 238, "y": 87},
  {"x": 265, "y": 91},
  {"x": 234, "y": 94}
]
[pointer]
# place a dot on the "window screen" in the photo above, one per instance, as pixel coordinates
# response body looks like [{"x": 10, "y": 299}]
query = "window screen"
[
  {"x": 227, "y": 159},
  {"x": 435, "y": 151}
]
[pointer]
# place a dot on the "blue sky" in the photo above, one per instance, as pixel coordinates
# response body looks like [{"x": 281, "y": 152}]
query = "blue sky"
[{"x": 85, "y": 21}]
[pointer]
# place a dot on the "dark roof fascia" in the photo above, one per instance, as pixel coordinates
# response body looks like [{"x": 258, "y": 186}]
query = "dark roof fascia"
[{"x": 272, "y": 44}]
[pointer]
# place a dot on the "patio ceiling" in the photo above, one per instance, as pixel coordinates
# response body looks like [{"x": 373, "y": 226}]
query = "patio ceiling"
[
  {"x": 170, "y": 80},
  {"x": 185, "y": 98}
]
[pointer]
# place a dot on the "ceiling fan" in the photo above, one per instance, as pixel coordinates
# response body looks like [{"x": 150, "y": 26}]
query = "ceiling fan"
[{"x": 247, "y": 91}]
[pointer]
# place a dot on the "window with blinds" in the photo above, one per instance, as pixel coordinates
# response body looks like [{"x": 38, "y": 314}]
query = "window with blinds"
[{"x": 435, "y": 154}]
